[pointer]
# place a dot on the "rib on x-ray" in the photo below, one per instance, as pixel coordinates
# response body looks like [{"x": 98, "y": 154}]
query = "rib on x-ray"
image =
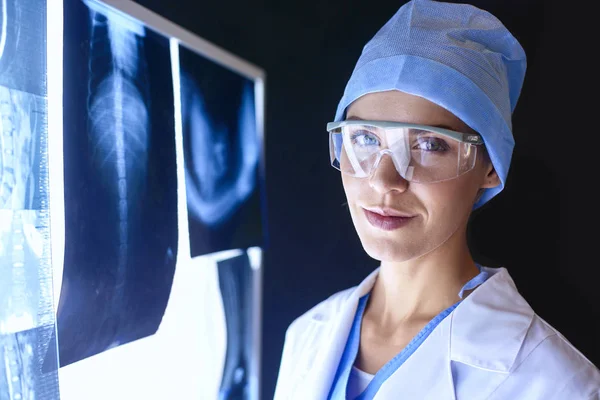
[
  {"x": 118, "y": 121},
  {"x": 120, "y": 179},
  {"x": 220, "y": 164}
]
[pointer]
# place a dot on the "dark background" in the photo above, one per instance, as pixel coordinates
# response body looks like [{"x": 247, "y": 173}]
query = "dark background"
[{"x": 543, "y": 227}]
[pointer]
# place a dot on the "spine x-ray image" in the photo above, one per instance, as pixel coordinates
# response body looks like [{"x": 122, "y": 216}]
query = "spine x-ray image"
[
  {"x": 222, "y": 151},
  {"x": 118, "y": 126},
  {"x": 26, "y": 309},
  {"x": 23, "y": 46},
  {"x": 22, "y": 121},
  {"x": 21, "y": 250},
  {"x": 120, "y": 182},
  {"x": 21, "y": 356},
  {"x": 26, "y": 302},
  {"x": 120, "y": 213}
]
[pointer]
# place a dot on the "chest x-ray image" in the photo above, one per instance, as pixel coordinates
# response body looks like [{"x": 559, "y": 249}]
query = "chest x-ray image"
[
  {"x": 27, "y": 318},
  {"x": 120, "y": 182},
  {"x": 221, "y": 152}
]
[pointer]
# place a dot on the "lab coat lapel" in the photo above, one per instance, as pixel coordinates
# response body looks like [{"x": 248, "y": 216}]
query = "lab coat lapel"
[
  {"x": 333, "y": 338},
  {"x": 490, "y": 326},
  {"x": 483, "y": 335}
]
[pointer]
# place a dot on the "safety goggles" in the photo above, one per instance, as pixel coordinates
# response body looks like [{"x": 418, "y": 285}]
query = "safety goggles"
[{"x": 420, "y": 153}]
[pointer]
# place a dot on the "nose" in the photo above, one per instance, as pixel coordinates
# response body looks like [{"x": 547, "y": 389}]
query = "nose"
[{"x": 385, "y": 178}]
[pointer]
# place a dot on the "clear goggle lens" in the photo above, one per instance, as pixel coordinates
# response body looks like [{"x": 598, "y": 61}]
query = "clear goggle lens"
[{"x": 419, "y": 153}]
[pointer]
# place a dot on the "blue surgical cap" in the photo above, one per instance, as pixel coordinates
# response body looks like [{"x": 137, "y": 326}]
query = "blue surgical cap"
[{"x": 457, "y": 56}]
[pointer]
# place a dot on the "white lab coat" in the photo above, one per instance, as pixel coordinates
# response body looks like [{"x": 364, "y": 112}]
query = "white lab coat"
[{"x": 492, "y": 346}]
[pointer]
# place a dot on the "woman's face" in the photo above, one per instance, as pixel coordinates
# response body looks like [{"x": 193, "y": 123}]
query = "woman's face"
[{"x": 436, "y": 211}]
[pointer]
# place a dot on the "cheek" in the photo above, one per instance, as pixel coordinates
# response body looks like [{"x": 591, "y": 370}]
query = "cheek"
[
  {"x": 352, "y": 188},
  {"x": 355, "y": 190},
  {"x": 453, "y": 199}
]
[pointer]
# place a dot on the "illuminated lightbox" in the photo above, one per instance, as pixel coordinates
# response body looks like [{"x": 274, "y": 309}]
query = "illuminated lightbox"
[{"x": 131, "y": 207}]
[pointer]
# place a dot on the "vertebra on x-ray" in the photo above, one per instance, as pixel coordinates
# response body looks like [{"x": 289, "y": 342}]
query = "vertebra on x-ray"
[
  {"x": 118, "y": 123},
  {"x": 21, "y": 247},
  {"x": 22, "y": 45},
  {"x": 21, "y": 122},
  {"x": 21, "y": 377},
  {"x": 25, "y": 298},
  {"x": 119, "y": 182}
]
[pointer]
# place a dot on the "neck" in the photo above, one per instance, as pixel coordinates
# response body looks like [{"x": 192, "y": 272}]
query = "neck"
[{"x": 421, "y": 288}]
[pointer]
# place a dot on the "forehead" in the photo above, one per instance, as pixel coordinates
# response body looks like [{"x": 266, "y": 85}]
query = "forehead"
[{"x": 403, "y": 107}]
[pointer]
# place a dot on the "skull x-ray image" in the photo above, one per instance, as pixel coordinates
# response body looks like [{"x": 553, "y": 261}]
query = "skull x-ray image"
[
  {"x": 221, "y": 151},
  {"x": 120, "y": 182}
]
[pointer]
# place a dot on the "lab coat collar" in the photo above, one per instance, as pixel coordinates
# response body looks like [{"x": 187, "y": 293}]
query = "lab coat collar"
[
  {"x": 477, "y": 341},
  {"x": 339, "y": 319},
  {"x": 473, "y": 339}
]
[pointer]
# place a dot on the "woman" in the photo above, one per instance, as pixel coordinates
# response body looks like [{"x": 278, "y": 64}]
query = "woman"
[{"x": 423, "y": 136}]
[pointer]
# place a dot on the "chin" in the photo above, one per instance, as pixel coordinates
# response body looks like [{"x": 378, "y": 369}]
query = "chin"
[{"x": 390, "y": 250}]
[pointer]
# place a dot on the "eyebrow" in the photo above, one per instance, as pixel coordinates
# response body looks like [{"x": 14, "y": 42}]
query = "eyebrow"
[{"x": 443, "y": 126}]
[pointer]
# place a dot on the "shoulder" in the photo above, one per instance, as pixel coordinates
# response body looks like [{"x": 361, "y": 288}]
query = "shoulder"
[
  {"x": 496, "y": 330},
  {"x": 302, "y": 341},
  {"x": 547, "y": 359},
  {"x": 321, "y": 313}
]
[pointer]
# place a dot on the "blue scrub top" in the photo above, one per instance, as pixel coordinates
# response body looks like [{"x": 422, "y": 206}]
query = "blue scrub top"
[{"x": 340, "y": 382}]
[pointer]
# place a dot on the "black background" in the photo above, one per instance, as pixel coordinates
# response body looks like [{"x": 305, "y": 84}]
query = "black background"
[{"x": 543, "y": 227}]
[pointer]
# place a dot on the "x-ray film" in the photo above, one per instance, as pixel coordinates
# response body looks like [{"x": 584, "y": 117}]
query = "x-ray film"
[
  {"x": 23, "y": 45},
  {"x": 27, "y": 320},
  {"x": 26, "y": 308},
  {"x": 120, "y": 182},
  {"x": 23, "y": 121},
  {"x": 21, "y": 355},
  {"x": 222, "y": 151},
  {"x": 131, "y": 207},
  {"x": 236, "y": 284}
]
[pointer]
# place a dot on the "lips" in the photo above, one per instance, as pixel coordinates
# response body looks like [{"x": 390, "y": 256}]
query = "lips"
[
  {"x": 388, "y": 212},
  {"x": 387, "y": 219}
]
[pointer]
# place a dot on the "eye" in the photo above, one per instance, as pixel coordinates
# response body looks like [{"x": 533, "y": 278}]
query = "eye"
[
  {"x": 433, "y": 144},
  {"x": 364, "y": 138}
]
